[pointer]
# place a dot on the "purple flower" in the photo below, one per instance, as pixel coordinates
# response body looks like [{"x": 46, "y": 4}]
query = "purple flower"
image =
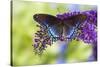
[
  {"x": 41, "y": 41},
  {"x": 88, "y": 30}
]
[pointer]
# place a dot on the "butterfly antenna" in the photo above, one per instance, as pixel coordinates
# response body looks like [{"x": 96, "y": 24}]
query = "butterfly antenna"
[{"x": 58, "y": 10}]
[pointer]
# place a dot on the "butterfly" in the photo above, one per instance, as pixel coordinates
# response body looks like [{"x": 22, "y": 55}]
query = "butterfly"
[{"x": 57, "y": 27}]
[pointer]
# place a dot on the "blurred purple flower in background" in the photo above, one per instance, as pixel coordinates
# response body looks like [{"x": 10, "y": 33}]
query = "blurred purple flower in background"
[{"x": 73, "y": 7}]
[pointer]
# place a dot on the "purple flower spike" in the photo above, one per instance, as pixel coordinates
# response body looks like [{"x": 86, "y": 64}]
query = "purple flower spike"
[
  {"x": 89, "y": 29},
  {"x": 41, "y": 41}
]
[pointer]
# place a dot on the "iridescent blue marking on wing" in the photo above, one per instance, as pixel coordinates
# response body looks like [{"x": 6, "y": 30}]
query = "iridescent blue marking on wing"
[
  {"x": 55, "y": 30},
  {"x": 72, "y": 24},
  {"x": 71, "y": 31}
]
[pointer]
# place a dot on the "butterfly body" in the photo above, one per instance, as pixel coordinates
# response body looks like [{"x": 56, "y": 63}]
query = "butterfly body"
[{"x": 60, "y": 28}]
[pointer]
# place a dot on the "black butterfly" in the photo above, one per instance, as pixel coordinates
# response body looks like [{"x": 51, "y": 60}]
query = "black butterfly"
[{"x": 60, "y": 28}]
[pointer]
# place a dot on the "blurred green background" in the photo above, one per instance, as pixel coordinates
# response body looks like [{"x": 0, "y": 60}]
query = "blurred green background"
[{"x": 24, "y": 27}]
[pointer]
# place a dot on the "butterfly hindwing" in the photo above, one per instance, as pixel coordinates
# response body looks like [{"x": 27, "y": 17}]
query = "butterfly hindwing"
[{"x": 56, "y": 30}]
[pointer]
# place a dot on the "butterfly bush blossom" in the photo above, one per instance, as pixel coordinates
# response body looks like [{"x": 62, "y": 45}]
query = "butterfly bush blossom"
[
  {"x": 87, "y": 31},
  {"x": 41, "y": 40}
]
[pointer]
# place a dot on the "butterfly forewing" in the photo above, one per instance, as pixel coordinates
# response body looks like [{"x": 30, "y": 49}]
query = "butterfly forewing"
[
  {"x": 45, "y": 19},
  {"x": 74, "y": 20},
  {"x": 52, "y": 23}
]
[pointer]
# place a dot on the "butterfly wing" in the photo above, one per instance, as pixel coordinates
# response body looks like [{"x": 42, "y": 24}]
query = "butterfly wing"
[
  {"x": 46, "y": 20},
  {"x": 72, "y": 23},
  {"x": 52, "y": 23},
  {"x": 57, "y": 27}
]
